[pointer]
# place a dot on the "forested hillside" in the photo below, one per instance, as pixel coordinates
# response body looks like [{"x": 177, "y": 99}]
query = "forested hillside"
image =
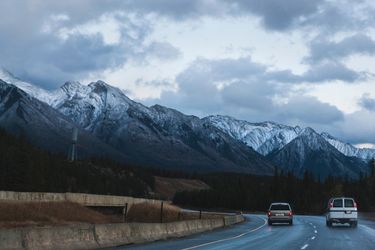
[
  {"x": 255, "y": 193},
  {"x": 24, "y": 167}
]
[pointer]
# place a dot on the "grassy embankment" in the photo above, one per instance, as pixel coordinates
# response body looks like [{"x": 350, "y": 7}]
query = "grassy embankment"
[{"x": 21, "y": 214}]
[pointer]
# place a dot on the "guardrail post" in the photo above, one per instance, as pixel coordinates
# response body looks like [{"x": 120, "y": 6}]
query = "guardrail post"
[
  {"x": 161, "y": 212},
  {"x": 125, "y": 212}
]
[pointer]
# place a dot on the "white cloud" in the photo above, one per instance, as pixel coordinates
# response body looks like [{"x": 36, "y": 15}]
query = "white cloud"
[
  {"x": 365, "y": 145},
  {"x": 54, "y": 22},
  {"x": 108, "y": 25}
]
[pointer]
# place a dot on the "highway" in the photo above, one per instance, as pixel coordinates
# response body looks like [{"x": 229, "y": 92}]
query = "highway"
[{"x": 308, "y": 232}]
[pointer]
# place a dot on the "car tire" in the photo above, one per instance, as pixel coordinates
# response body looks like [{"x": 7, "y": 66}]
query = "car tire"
[
  {"x": 329, "y": 223},
  {"x": 291, "y": 223},
  {"x": 354, "y": 224},
  {"x": 269, "y": 223}
]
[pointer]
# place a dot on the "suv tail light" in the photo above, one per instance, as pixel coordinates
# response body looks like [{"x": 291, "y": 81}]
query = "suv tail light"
[
  {"x": 269, "y": 214},
  {"x": 355, "y": 204},
  {"x": 290, "y": 213},
  {"x": 330, "y": 205}
]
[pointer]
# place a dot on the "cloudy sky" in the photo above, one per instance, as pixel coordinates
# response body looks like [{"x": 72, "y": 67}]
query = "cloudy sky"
[{"x": 298, "y": 62}]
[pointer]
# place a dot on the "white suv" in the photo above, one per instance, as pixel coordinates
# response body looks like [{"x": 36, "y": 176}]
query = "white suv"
[{"x": 342, "y": 210}]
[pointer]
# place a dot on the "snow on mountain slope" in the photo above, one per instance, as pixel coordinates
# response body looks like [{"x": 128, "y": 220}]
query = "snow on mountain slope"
[
  {"x": 86, "y": 105},
  {"x": 348, "y": 149},
  {"x": 36, "y": 92},
  {"x": 22, "y": 114},
  {"x": 156, "y": 135},
  {"x": 267, "y": 137},
  {"x": 311, "y": 152},
  {"x": 263, "y": 137}
]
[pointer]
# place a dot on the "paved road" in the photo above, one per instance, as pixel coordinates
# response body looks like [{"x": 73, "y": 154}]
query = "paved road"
[{"x": 308, "y": 232}]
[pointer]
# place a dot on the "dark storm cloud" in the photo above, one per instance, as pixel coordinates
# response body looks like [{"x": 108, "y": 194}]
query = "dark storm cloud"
[
  {"x": 161, "y": 50},
  {"x": 358, "y": 127},
  {"x": 221, "y": 69},
  {"x": 255, "y": 95},
  {"x": 279, "y": 15},
  {"x": 276, "y": 15},
  {"x": 29, "y": 52},
  {"x": 32, "y": 47},
  {"x": 56, "y": 61},
  {"x": 210, "y": 86},
  {"x": 153, "y": 83},
  {"x": 321, "y": 49},
  {"x": 308, "y": 109},
  {"x": 341, "y": 15},
  {"x": 245, "y": 69},
  {"x": 317, "y": 73},
  {"x": 181, "y": 9},
  {"x": 367, "y": 102},
  {"x": 331, "y": 71}
]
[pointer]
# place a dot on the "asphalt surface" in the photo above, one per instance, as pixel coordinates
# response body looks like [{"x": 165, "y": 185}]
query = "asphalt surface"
[{"x": 308, "y": 232}]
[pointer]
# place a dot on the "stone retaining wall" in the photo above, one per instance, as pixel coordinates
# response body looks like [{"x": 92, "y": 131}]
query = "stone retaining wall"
[{"x": 105, "y": 235}]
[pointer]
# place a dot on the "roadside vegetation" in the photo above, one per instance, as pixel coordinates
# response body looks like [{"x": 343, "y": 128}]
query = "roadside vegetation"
[
  {"x": 151, "y": 213},
  {"x": 255, "y": 193},
  {"x": 167, "y": 187},
  {"x": 24, "y": 167},
  {"x": 21, "y": 214}
]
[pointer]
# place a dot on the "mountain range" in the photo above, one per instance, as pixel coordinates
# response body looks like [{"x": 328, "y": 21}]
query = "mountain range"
[{"x": 112, "y": 125}]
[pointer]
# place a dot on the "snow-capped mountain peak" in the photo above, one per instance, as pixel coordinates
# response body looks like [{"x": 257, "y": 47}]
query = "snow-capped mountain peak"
[
  {"x": 72, "y": 87},
  {"x": 267, "y": 137},
  {"x": 348, "y": 149},
  {"x": 264, "y": 137},
  {"x": 34, "y": 91},
  {"x": 89, "y": 104},
  {"x": 308, "y": 132}
]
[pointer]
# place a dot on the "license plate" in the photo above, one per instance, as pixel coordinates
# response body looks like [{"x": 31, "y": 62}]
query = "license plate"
[
  {"x": 279, "y": 214},
  {"x": 348, "y": 212}
]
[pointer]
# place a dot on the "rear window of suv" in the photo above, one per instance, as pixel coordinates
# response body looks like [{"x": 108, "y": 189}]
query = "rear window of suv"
[
  {"x": 337, "y": 203},
  {"x": 280, "y": 207},
  {"x": 349, "y": 203}
]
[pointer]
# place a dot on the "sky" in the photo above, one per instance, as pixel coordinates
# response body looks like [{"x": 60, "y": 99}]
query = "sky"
[{"x": 296, "y": 62}]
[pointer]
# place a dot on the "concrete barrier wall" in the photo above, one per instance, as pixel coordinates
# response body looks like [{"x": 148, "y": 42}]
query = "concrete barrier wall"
[
  {"x": 105, "y": 235},
  {"x": 230, "y": 220},
  {"x": 83, "y": 199}
]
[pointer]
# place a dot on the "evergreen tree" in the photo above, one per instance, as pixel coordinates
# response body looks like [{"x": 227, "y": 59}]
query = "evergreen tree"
[{"x": 372, "y": 166}]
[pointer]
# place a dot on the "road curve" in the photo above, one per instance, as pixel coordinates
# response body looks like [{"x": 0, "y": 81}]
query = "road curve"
[{"x": 308, "y": 232}]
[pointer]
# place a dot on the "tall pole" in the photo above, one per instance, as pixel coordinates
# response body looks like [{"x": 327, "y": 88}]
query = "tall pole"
[{"x": 73, "y": 150}]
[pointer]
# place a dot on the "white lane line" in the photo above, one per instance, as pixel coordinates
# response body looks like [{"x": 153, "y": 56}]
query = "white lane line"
[
  {"x": 226, "y": 239},
  {"x": 314, "y": 226},
  {"x": 305, "y": 246},
  {"x": 315, "y": 231},
  {"x": 313, "y": 238}
]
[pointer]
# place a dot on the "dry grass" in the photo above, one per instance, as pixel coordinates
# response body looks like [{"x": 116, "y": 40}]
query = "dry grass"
[
  {"x": 21, "y": 214},
  {"x": 150, "y": 213},
  {"x": 16, "y": 214},
  {"x": 168, "y": 187}
]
